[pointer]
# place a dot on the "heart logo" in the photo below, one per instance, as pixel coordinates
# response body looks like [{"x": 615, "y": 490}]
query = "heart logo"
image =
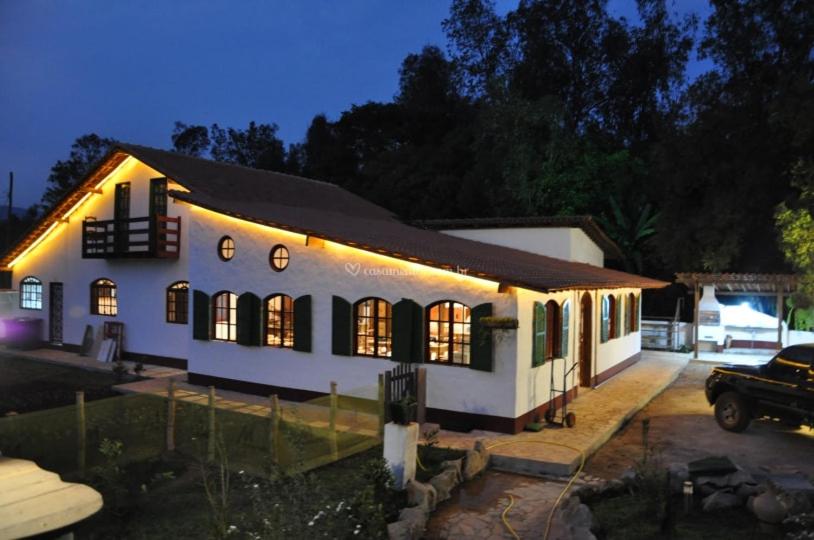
[{"x": 352, "y": 268}]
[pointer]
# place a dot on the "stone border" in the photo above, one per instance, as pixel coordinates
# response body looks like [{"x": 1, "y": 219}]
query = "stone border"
[{"x": 422, "y": 498}]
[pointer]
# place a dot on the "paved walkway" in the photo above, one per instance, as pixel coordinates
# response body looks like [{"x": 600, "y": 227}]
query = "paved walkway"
[
  {"x": 475, "y": 510},
  {"x": 65, "y": 358},
  {"x": 600, "y": 413}
]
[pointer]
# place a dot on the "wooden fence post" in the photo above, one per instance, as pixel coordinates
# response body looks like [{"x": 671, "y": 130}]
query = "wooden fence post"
[
  {"x": 421, "y": 394},
  {"x": 170, "y": 438},
  {"x": 381, "y": 404},
  {"x": 81, "y": 433},
  {"x": 274, "y": 433},
  {"x": 332, "y": 422},
  {"x": 210, "y": 452}
]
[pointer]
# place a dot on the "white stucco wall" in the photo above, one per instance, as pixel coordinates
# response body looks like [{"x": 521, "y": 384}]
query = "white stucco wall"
[
  {"x": 568, "y": 243},
  {"x": 352, "y": 274},
  {"x": 141, "y": 283},
  {"x": 533, "y": 383},
  {"x": 615, "y": 350}
]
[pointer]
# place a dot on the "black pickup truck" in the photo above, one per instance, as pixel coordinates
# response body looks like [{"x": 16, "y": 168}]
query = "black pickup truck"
[{"x": 782, "y": 389}]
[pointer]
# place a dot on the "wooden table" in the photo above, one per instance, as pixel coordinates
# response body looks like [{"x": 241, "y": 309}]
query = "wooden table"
[{"x": 35, "y": 501}]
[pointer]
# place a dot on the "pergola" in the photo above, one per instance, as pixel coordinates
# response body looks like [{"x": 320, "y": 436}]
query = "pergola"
[{"x": 777, "y": 285}]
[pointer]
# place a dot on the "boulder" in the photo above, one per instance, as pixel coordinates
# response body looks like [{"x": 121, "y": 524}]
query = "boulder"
[
  {"x": 454, "y": 465},
  {"x": 629, "y": 476},
  {"x": 795, "y": 502},
  {"x": 474, "y": 464},
  {"x": 444, "y": 483},
  {"x": 411, "y": 525},
  {"x": 745, "y": 491},
  {"x": 767, "y": 508},
  {"x": 421, "y": 495},
  {"x": 720, "y": 500},
  {"x": 739, "y": 478},
  {"x": 711, "y": 466}
]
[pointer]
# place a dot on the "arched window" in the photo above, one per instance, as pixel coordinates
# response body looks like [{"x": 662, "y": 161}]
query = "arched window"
[
  {"x": 630, "y": 310},
  {"x": 608, "y": 329},
  {"x": 103, "y": 298},
  {"x": 448, "y": 333},
  {"x": 224, "y": 316},
  {"x": 374, "y": 327},
  {"x": 30, "y": 293},
  {"x": 178, "y": 302},
  {"x": 564, "y": 336},
  {"x": 280, "y": 321}
]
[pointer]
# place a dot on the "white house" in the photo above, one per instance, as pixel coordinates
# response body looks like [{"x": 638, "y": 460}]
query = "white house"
[{"x": 269, "y": 283}]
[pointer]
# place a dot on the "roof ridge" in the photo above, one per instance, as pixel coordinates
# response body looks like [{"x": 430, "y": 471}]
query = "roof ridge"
[{"x": 125, "y": 146}]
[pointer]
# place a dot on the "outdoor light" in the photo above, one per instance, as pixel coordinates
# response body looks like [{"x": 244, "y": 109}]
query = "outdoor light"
[{"x": 687, "y": 489}]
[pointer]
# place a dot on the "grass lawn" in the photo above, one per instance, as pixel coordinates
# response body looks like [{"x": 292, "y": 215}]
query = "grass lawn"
[
  {"x": 165, "y": 499},
  {"x": 27, "y": 385}
]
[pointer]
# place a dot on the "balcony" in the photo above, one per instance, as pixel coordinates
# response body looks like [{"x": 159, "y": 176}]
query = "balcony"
[{"x": 149, "y": 237}]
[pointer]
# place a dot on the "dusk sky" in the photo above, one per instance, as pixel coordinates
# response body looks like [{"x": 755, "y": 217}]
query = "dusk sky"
[{"x": 129, "y": 70}]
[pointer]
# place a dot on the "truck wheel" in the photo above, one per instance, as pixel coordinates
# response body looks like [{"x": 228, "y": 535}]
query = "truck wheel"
[{"x": 732, "y": 412}]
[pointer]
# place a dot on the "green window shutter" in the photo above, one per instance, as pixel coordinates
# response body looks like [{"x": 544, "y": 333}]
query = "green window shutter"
[
  {"x": 480, "y": 340},
  {"x": 342, "y": 327},
  {"x": 302, "y": 323},
  {"x": 538, "y": 335},
  {"x": 200, "y": 315},
  {"x": 248, "y": 319},
  {"x": 566, "y": 321},
  {"x": 604, "y": 331},
  {"x": 638, "y": 313},
  {"x": 408, "y": 331},
  {"x": 619, "y": 302}
]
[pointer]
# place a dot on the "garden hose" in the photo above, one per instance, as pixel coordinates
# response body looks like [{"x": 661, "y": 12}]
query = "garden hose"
[{"x": 559, "y": 498}]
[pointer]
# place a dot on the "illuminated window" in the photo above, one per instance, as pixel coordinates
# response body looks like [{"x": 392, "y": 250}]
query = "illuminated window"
[
  {"x": 103, "y": 298},
  {"x": 178, "y": 302},
  {"x": 280, "y": 321},
  {"x": 224, "y": 316},
  {"x": 226, "y": 248},
  {"x": 448, "y": 333},
  {"x": 278, "y": 258},
  {"x": 374, "y": 327},
  {"x": 30, "y": 293}
]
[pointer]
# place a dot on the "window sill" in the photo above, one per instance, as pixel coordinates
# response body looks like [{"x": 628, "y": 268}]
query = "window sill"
[
  {"x": 31, "y": 308},
  {"x": 177, "y": 322},
  {"x": 450, "y": 364},
  {"x": 380, "y": 357}
]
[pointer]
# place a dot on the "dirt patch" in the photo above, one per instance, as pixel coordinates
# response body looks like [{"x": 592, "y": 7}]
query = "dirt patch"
[{"x": 683, "y": 428}]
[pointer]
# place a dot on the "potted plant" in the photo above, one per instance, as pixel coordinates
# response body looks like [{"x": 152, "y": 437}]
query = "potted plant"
[
  {"x": 499, "y": 323},
  {"x": 404, "y": 410}
]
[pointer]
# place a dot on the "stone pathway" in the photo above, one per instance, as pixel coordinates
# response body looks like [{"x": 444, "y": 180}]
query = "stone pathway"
[
  {"x": 600, "y": 413},
  {"x": 476, "y": 507}
]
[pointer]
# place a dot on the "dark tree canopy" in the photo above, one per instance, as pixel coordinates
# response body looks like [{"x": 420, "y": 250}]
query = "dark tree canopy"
[{"x": 86, "y": 151}]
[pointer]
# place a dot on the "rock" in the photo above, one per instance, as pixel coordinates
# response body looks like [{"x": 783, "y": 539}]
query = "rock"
[
  {"x": 455, "y": 465},
  {"x": 714, "y": 481},
  {"x": 679, "y": 473},
  {"x": 410, "y": 526},
  {"x": 474, "y": 464},
  {"x": 586, "y": 492},
  {"x": 767, "y": 508},
  {"x": 791, "y": 482},
  {"x": 720, "y": 500},
  {"x": 738, "y": 478},
  {"x": 795, "y": 502},
  {"x": 711, "y": 466},
  {"x": 629, "y": 476},
  {"x": 421, "y": 495},
  {"x": 746, "y": 491},
  {"x": 576, "y": 518},
  {"x": 612, "y": 486},
  {"x": 444, "y": 483}
]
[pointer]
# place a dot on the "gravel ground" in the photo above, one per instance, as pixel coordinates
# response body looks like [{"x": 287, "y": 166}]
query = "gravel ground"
[{"x": 683, "y": 428}]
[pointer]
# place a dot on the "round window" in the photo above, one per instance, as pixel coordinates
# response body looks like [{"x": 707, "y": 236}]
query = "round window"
[
  {"x": 278, "y": 258},
  {"x": 226, "y": 248}
]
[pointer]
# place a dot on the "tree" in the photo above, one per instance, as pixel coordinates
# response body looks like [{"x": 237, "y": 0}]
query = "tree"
[
  {"x": 795, "y": 222},
  {"x": 257, "y": 146},
  {"x": 86, "y": 151},
  {"x": 190, "y": 140}
]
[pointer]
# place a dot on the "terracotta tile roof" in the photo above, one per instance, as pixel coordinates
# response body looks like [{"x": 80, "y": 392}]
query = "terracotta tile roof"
[
  {"x": 327, "y": 211},
  {"x": 587, "y": 223}
]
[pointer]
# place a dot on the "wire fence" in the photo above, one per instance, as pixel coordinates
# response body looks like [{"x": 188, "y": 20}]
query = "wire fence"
[{"x": 294, "y": 436}]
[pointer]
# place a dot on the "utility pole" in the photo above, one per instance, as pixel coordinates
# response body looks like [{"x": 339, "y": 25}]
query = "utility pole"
[{"x": 8, "y": 215}]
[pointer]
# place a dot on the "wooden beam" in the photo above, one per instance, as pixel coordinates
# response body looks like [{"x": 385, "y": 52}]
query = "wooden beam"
[
  {"x": 313, "y": 241},
  {"x": 95, "y": 191}
]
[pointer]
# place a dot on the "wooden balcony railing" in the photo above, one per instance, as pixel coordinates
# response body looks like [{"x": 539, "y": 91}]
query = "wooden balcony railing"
[{"x": 157, "y": 237}]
